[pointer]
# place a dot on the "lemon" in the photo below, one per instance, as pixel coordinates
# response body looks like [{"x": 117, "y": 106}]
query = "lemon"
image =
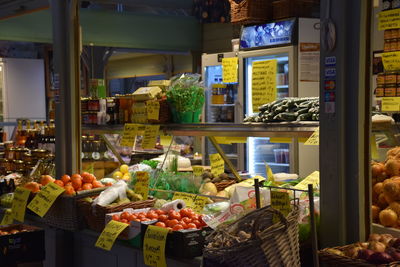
[
  {"x": 117, "y": 175},
  {"x": 126, "y": 177},
  {"x": 124, "y": 168}
]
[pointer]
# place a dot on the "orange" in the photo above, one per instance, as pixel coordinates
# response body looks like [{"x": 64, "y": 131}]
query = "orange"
[
  {"x": 65, "y": 178},
  {"x": 59, "y": 182},
  {"x": 97, "y": 184},
  {"x": 69, "y": 190},
  {"x": 46, "y": 179},
  {"x": 76, "y": 182},
  {"x": 76, "y": 175},
  {"x": 33, "y": 187},
  {"x": 87, "y": 186},
  {"x": 87, "y": 177},
  {"x": 69, "y": 183}
]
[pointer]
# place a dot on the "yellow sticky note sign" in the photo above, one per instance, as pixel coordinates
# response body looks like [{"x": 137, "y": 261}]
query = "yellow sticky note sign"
[
  {"x": 109, "y": 234},
  {"x": 389, "y": 19},
  {"x": 42, "y": 202},
  {"x": 165, "y": 140},
  {"x": 270, "y": 174},
  {"x": 280, "y": 201},
  {"x": 21, "y": 196},
  {"x": 153, "y": 110},
  {"x": 374, "y": 148},
  {"x": 197, "y": 170},
  {"x": 199, "y": 203},
  {"x": 154, "y": 242},
  {"x": 391, "y": 61},
  {"x": 187, "y": 198},
  {"x": 230, "y": 70},
  {"x": 313, "y": 140},
  {"x": 390, "y": 104},
  {"x": 280, "y": 140},
  {"x": 149, "y": 137},
  {"x": 313, "y": 179},
  {"x": 7, "y": 218},
  {"x": 236, "y": 140},
  {"x": 142, "y": 184},
  {"x": 222, "y": 140},
  {"x": 129, "y": 134},
  {"x": 263, "y": 83},
  {"x": 217, "y": 164}
]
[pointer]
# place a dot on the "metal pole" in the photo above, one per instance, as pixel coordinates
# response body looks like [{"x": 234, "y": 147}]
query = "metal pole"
[
  {"x": 314, "y": 241},
  {"x": 257, "y": 189}
]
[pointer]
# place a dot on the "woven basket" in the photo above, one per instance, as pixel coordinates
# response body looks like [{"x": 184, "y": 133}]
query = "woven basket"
[
  {"x": 250, "y": 11},
  {"x": 293, "y": 8},
  {"x": 330, "y": 259},
  {"x": 64, "y": 213},
  {"x": 222, "y": 185},
  {"x": 95, "y": 217},
  {"x": 164, "y": 114},
  {"x": 270, "y": 244}
]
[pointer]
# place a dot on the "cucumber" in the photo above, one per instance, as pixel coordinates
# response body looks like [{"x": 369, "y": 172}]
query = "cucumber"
[{"x": 304, "y": 117}]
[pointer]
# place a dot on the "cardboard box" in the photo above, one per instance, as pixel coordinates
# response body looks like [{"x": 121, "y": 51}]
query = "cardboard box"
[
  {"x": 146, "y": 93},
  {"x": 22, "y": 247}
]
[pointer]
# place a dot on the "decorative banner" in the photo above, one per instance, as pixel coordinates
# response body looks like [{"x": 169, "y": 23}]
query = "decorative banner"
[
  {"x": 20, "y": 200},
  {"x": 7, "y": 218},
  {"x": 280, "y": 201},
  {"x": 390, "y": 104},
  {"x": 149, "y": 137},
  {"x": 217, "y": 164},
  {"x": 230, "y": 70},
  {"x": 314, "y": 139},
  {"x": 391, "y": 61},
  {"x": 129, "y": 134},
  {"x": 153, "y": 110},
  {"x": 154, "y": 242},
  {"x": 263, "y": 83},
  {"x": 389, "y": 19},
  {"x": 313, "y": 179},
  {"x": 197, "y": 170},
  {"x": 42, "y": 202},
  {"x": 142, "y": 184},
  {"x": 109, "y": 234}
]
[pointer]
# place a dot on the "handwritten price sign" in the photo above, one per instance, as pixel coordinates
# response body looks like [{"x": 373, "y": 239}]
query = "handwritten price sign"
[
  {"x": 150, "y": 135},
  {"x": 142, "y": 183},
  {"x": 280, "y": 201},
  {"x": 7, "y": 218},
  {"x": 154, "y": 246},
  {"x": 110, "y": 233},
  {"x": 129, "y": 134},
  {"x": 20, "y": 200},
  {"x": 153, "y": 110},
  {"x": 313, "y": 140},
  {"x": 230, "y": 70},
  {"x": 43, "y": 201},
  {"x": 217, "y": 164},
  {"x": 263, "y": 83}
]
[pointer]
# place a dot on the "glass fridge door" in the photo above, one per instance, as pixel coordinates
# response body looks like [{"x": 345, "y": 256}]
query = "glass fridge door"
[
  {"x": 220, "y": 108},
  {"x": 261, "y": 150}
]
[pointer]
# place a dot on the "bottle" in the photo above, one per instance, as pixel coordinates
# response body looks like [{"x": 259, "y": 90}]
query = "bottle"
[
  {"x": 21, "y": 135},
  {"x": 52, "y": 137},
  {"x": 103, "y": 150},
  {"x": 90, "y": 147},
  {"x": 96, "y": 155},
  {"x": 85, "y": 149}
]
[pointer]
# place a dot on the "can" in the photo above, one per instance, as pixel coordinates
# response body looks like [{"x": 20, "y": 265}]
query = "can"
[
  {"x": 387, "y": 34},
  {"x": 380, "y": 92},
  {"x": 398, "y": 90},
  {"x": 93, "y": 105},
  {"x": 393, "y": 45},
  {"x": 387, "y": 45},
  {"x": 390, "y": 78},
  {"x": 395, "y": 33},
  {"x": 84, "y": 104},
  {"x": 380, "y": 79},
  {"x": 390, "y": 90}
]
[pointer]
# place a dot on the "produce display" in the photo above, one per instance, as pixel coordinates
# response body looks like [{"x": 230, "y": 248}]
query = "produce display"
[
  {"x": 12, "y": 231},
  {"x": 288, "y": 109}
]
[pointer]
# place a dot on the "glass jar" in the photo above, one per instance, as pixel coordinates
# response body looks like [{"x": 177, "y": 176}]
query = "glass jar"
[
  {"x": 390, "y": 78},
  {"x": 39, "y": 153},
  {"x": 19, "y": 153},
  {"x": 380, "y": 92},
  {"x": 387, "y": 45},
  {"x": 390, "y": 90},
  {"x": 380, "y": 79},
  {"x": 10, "y": 153}
]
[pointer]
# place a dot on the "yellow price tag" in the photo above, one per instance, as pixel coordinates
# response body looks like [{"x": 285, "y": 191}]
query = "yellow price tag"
[
  {"x": 109, "y": 234},
  {"x": 313, "y": 179},
  {"x": 217, "y": 164},
  {"x": 199, "y": 203},
  {"x": 21, "y": 196},
  {"x": 129, "y": 134},
  {"x": 391, "y": 61},
  {"x": 186, "y": 197},
  {"x": 374, "y": 148},
  {"x": 7, "y": 218},
  {"x": 313, "y": 140},
  {"x": 142, "y": 184},
  {"x": 230, "y": 70},
  {"x": 391, "y": 104},
  {"x": 153, "y": 110},
  {"x": 197, "y": 170},
  {"x": 150, "y": 135},
  {"x": 270, "y": 174},
  {"x": 280, "y": 201},
  {"x": 154, "y": 242},
  {"x": 389, "y": 19},
  {"x": 165, "y": 140},
  {"x": 263, "y": 83},
  {"x": 42, "y": 202}
]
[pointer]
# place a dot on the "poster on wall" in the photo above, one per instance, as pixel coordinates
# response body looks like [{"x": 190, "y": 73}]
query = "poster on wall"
[{"x": 309, "y": 62}]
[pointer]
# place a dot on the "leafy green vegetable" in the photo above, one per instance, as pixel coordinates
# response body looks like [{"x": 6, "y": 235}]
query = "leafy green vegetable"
[{"x": 152, "y": 163}]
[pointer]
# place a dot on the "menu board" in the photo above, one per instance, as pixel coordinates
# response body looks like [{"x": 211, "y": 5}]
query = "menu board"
[{"x": 263, "y": 83}]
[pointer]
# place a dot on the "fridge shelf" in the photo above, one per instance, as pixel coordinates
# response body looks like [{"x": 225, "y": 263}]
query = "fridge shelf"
[
  {"x": 282, "y": 86},
  {"x": 222, "y": 105},
  {"x": 273, "y": 164},
  {"x": 280, "y": 129}
]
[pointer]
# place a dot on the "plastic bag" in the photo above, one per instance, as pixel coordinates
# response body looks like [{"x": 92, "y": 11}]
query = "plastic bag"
[{"x": 108, "y": 196}]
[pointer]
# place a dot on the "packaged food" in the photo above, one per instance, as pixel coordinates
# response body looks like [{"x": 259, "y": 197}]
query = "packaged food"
[
  {"x": 387, "y": 45},
  {"x": 393, "y": 45},
  {"x": 380, "y": 92},
  {"x": 390, "y": 90},
  {"x": 380, "y": 79},
  {"x": 390, "y": 78}
]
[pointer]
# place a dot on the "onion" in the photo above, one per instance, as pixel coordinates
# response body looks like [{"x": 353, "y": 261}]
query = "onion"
[
  {"x": 377, "y": 246},
  {"x": 382, "y": 203},
  {"x": 377, "y": 169},
  {"x": 374, "y": 237},
  {"x": 352, "y": 252},
  {"x": 380, "y": 258},
  {"x": 375, "y": 212},
  {"x": 378, "y": 188},
  {"x": 364, "y": 254},
  {"x": 388, "y": 218}
]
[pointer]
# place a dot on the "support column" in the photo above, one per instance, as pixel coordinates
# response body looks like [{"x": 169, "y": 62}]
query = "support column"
[
  {"x": 66, "y": 45},
  {"x": 344, "y": 133}
]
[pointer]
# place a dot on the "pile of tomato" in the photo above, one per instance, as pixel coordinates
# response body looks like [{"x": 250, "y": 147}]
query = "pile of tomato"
[{"x": 172, "y": 220}]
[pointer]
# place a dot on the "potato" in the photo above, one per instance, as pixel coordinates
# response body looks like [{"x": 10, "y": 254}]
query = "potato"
[{"x": 392, "y": 167}]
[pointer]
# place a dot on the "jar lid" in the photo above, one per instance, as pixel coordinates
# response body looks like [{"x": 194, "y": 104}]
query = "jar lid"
[
  {"x": 18, "y": 161},
  {"x": 39, "y": 151}
]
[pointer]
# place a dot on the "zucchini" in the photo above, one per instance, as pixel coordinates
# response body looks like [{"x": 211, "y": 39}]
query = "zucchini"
[{"x": 304, "y": 117}]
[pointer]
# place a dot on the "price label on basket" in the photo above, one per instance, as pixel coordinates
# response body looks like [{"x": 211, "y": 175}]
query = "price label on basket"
[
  {"x": 43, "y": 201},
  {"x": 280, "y": 201},
  {"x": 153, "y": 110},
  {"x": 129, "y": 134},
  {"x": 198, "y": 203},
  {"x": 217, "y": 164},
  {"x": 313, "y": 179},
  {"x": 389, "y": 19},
  {"x": 186, "y": 197},
  {"x": 109, "y": 234},
  {"x": 20, "y": 200},
  {"x": 197, "y": 170},
  {"x": 230, "y": 70},
  {"x": 313, "y": 140},
  {"x": 154, "y": 242},
  {"x": 150, "y": 135},
  {"x": 7, "y": 218},
  {"x": 142, "y": 184}
]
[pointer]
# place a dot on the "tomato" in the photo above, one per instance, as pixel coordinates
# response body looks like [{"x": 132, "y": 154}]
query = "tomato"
[
  {"x": 124, "y": 221},
  {"x": 163, "y": 218},
  {"x": 181, "y": 222},
  {"x": 194, "y": 216},
  {"x": 186, "y": 220},
  {"x": 186, "y": 212},
  {"x": 197, "y": 223},
  {"x": 191, "y": 226},
  {"x": 115, "y": 217},
  {"x": 132, "y": 217},
  {"x": 141, "y": 216},
  {"x": 160, "y": 212},
  {"x": 169, "y": 228},
  {"x": 152, "y": 215},
  {"x": 174, "y": 215},
  {"x": 145, "y": 220},
  {"x": 177, "y": 227},
  {"x": 136, "y": 220},
  {"x": 160, "y": 224},
  {"x": 125, "y": 215},
  {"x": 171, "y": 223}
]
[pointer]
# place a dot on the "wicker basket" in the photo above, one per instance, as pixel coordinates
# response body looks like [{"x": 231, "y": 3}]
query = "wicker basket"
[
  {"x": 222, "y": 185},
  {"x": 64, "y": 213},
  {"x": 164, "y": 114},
  {"x": 294, "y": 8},
  {"x": 250, "y": 11},
  {"x": 95, "y": 217},
  {"x": 330, "y": 259},
  {"x": 270, "y": 244}
]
